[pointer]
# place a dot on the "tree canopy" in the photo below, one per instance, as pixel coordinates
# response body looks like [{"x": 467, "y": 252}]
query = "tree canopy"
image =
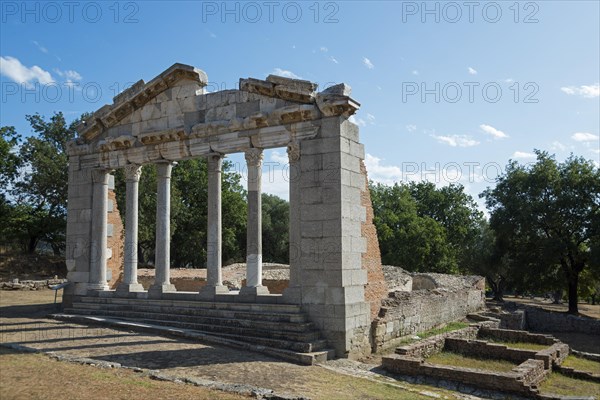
[{"x": 548, "y": 214}]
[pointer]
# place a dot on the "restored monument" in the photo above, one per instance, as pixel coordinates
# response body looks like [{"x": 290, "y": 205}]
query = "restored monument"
[{"x": 171, "y": 118}]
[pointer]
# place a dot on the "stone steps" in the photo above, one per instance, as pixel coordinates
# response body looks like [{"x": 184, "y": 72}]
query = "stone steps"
[
  {"x": 198, "y": 312},
  {"x": 306, "y": 358},
  {"x": 268, "y": 328},
  {"x": 296, "y": 332}
]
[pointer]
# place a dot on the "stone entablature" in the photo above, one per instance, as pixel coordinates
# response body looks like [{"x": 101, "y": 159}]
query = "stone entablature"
[{"x": 171, "y": 118}]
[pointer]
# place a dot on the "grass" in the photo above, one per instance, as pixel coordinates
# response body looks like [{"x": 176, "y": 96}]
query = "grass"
[
  {"x": 563, "y": 385},
  {"x": 35, "y": 376},
  {"x": 582, "y": 364},
  {"x": 459, "y": 360},
  {"x": 452, "y": 326},
  {"x": 520, "y": 345}
]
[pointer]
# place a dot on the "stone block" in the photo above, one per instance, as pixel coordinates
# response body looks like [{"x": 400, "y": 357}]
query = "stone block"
[
  {"x": 246, "y": 109},
  {"x": 312, "y": 195},
  {"x": 110, "y": 230},
  {"x": 110, "y": 205},
  {"x": 312, "y": 229},
  {"x": 313, "y": 295}
]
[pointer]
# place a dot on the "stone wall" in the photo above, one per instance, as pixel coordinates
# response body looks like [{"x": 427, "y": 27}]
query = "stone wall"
[
  {"x": 430, "y": 346},
  {"x": 398, "y": 280},
  {"x": 376, "y": 289},
  {"x": 510, "y": 335},
  {"x": 520, "y": 380},
  {"x": 540, "y": 320},
  {"x": 407, "y": 313}
]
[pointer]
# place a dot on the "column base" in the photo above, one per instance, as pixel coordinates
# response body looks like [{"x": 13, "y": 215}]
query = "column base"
[
  {"x": 155, "y": 291},
  {"x": 126, "y": 288},
  {"x": 293, "y": 295},
  {"x": 97, "y": 286},
  {"x": 253, "y": 291},
  {"x": 209, "y": 292}
]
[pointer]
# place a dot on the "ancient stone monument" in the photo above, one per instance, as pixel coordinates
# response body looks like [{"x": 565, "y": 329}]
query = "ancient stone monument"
[{"x": 333, "y": 246}]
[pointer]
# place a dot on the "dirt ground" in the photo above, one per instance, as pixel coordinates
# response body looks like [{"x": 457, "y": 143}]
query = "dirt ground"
[
  {"x": 22, "y": 321},
  {"x": 589, "y": 310}
]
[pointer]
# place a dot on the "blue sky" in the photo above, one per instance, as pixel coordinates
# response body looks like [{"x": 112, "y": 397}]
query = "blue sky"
[{"x": 450, "y": 91}]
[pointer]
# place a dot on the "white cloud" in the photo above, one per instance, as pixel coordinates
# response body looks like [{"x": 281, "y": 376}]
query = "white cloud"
[
  {"x": 415, "y": 72},
  {"x": 324, "y": 49},
  {"x": 69, "y": 74},
  {"x": 371, "y": 118},
  {"x": 556, "y": 145},
  {"x": 285, "y": 73},
  {"x": 472, "y": 71},
  {"x": 522, "y": 155},
  {"x": 456, "y": 140},
  {"x": 490, "y": 130},
  {"x": 278, "y": 157},
  {"x": 40, "y": 47},
  {"x": 357, "y": 121},
  {"x": 587, "y": 91},
  {"x": 411, "y": 128},
  {"x": 13, "y": 69},
  {"x": 509, "y": 80},
  {"x": 333, "y": 60},
  {"x": 387, "y": 174},
  {"x": 584, "y": 137},
  {"x": 595, "y": 151},
  {"x": 368, "y": 63}
]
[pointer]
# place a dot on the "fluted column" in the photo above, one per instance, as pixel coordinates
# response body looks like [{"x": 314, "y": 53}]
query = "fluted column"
[
  {"x": 99, "y": 242},
  {"x": 254, "y": 285},
  {"x": 293, "y": 291},
  {"x": 214, "y": 275},
  {"x": 130, "y": 283},
  {"x": 162, "y": 278}
]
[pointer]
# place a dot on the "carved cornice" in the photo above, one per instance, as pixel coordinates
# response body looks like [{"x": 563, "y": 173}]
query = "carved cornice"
[{"x": 135, "y": 97}]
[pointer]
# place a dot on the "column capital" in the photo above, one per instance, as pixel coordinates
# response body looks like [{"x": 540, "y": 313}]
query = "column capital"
[
  {"x": 163, "y": 169},
  {"x": 133, "y": 172},
  {"x": 254, "y": 157},
  {"x": 293, "y": 150},
  {"x": 100, "y": 176},
  {"x": 215, "y": 162}
]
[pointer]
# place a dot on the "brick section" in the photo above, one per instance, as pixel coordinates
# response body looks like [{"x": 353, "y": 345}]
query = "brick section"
[
  {"x": 115, "y": 243},
  {"x": 376, "y": 288}
]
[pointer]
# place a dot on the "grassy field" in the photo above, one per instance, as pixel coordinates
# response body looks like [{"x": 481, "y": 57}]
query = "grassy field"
[
  {"x": 520, "y": 345},
  {"x": 452, "y": 326},
  {"x": 582, "y": 364},
  {"x": 563, "y": 385},
  {"x": 458, "y": 360},
  {"x": 36, "y": 376}
]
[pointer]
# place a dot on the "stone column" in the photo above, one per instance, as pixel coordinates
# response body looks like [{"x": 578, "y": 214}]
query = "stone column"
[
  {"x": 214, "y": 275},
  {"x": 130, "y": 281},
  {"x": 98, "y": 254},
  {"x": 162, "y": 278},
  {"x": 254, "y": 285},
  {"x": 293, "y": 292}
]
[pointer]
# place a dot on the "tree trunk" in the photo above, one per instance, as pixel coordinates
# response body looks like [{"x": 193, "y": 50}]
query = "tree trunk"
[
  {"x": 32, "y": 245},
  {"x": 573, "y": 297}
]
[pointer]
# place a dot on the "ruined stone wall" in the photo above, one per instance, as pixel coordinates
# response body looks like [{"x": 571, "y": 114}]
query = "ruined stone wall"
[
  {"x": 407, "y": 313},
  {"x": 116, "y": 240},
  {"x": 376, "y": 289},
  {"x": 541, "y": 320}
]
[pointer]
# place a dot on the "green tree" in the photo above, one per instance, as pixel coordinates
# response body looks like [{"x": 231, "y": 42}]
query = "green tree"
[
  {"x": 275, "y": 229},
  {"x": 38, "y": 193},
  {"x": 549, "y": 215},
  {"x": 406, "y": 239},
  {"x": 456, "y": 212}
]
